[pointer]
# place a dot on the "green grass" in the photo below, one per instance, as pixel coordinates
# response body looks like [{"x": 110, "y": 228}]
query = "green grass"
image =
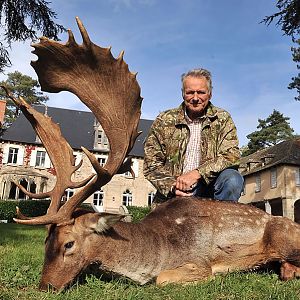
[{"x": 21, "y": 259}]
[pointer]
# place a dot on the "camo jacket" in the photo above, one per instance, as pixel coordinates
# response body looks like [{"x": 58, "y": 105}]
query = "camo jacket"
[{"x": 166, "y": 144}]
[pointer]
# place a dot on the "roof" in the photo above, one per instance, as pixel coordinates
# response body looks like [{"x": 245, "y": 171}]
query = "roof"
[
  {"x": 76, "y": 126},
  {"x": 286, "y": 152}
]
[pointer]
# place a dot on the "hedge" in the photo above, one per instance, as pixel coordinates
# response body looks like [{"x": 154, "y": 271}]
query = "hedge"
[
  {"x": 33, "y": 208},
  {"x": 30, "y": 208}
]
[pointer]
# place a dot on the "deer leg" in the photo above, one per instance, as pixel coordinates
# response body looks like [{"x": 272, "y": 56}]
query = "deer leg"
[
  {"x": 289, "y": 271},
  {"x": 187, "y": 273}
]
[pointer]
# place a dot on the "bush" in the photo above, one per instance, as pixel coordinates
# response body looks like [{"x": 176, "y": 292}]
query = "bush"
[
  {"x": 30, "y": 208},
  {"x": 33, "y": 208},
  {"x": 138, "y": 213}
]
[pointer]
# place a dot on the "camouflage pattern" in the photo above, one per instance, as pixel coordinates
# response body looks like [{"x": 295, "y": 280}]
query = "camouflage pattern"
[{"x": 167, "y": 141}]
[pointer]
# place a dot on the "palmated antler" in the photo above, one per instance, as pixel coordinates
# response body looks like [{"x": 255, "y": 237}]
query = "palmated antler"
[{"x": 108, "y": 88}]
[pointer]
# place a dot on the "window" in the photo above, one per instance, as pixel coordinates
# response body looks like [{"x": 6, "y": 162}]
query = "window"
[
  {"x": 127, "y": 174},
  {"x": 40, "y": 159},
  {"x": 150, "y": 198},
  {"x": 68, "y": 194},
  {"x": 98, "y": 198},
  {"x": 102, "y": 138},
  {"x": 243, "y": 193},
  {"x": 127, "y": 198},
  {"x": 257, "y": 184},
  {"x": 273, "y": 177},
  {"x": 12, "y": 155},
  {"x": 297, "y": 177},
  {"x": 101, "y": 161}
]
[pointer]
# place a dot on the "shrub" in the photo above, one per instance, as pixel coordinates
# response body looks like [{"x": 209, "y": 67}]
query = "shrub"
[
  {"x": 33, "y": 208},
  {"x": 138, "y": 213},
  {"x": 30, "y": 208}
]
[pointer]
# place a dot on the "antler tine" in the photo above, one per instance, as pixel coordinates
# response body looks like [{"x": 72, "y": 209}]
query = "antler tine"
[{"x": 84, "y": 34}]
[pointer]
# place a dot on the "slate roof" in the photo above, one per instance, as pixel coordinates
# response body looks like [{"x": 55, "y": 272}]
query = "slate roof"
[
  {"x": 287, "y": 152},
  {"x": 77, "y": 127}
]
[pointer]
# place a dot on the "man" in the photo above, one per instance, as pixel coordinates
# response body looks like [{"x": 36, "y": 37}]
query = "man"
[{"x": 193, "y": 149}]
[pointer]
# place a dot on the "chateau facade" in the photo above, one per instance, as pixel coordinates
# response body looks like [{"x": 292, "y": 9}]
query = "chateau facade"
[{"x": 23, "y": 159}]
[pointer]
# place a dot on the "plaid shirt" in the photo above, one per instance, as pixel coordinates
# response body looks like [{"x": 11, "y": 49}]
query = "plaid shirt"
[{"x": 193, "y": 155}]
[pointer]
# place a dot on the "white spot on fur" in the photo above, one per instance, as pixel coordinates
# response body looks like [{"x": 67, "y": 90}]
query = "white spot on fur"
[{"x": 179, "y": 220}]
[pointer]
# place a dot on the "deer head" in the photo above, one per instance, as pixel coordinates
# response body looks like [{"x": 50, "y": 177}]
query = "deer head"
[{"x": 111, "y": 91}]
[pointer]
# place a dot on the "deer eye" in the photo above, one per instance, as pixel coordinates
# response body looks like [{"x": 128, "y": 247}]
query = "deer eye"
[{"x": 69, "y": 245}]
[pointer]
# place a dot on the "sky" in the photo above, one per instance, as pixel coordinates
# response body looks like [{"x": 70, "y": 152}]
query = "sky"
[{"x": 251, "y": 63}]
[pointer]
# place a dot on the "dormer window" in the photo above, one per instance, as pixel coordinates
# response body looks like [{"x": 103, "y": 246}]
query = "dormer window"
[{"x": 100, "y": 140}]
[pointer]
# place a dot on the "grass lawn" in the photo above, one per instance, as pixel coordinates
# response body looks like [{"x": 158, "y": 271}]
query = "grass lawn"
[{"x": 21, "y": 259}]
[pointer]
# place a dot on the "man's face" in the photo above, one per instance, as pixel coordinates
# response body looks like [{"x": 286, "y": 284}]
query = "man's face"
[{"x": 196, "y": 95}]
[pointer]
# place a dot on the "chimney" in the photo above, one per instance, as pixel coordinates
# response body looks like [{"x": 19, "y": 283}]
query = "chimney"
[{"x": 2, "y": 111}]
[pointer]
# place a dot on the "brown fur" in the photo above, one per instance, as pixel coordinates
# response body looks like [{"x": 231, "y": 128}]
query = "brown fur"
[{"x": 183, "y": 240}]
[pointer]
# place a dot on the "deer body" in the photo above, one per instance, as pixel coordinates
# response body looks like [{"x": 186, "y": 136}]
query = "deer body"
[{"x": 211, "y": 236}]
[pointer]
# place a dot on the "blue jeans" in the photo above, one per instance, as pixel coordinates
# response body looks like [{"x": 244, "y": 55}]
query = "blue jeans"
[{"x": 227, "y": 186}]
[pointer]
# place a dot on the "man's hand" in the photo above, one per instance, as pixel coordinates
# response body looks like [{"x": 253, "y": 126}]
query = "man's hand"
[
  {"x": 185, "y": 182},
  {"x": 179, "y": 193}
]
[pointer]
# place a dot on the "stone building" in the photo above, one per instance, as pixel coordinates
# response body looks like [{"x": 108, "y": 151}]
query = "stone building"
[
  {"x": 272, "y": 179},
  {"x": 23, "y": 159}
]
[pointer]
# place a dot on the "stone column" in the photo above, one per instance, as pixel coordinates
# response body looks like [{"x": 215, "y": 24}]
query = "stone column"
[{"x": 288, "y": 207}]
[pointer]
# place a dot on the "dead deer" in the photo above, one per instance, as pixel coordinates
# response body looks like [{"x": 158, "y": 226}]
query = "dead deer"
[{"x": 182, "y": 240}]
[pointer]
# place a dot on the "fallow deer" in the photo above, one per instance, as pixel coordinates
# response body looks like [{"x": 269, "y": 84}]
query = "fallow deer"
[{"x": 182, "y": 240}]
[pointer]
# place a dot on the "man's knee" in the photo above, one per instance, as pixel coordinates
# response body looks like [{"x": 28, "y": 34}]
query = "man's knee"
[
  {"x": 232, "y": 178},
  {"x": 229, "y": 185}
]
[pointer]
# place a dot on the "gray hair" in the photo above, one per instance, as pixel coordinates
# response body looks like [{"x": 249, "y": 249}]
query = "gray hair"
[{"x": 198, "y": 73}]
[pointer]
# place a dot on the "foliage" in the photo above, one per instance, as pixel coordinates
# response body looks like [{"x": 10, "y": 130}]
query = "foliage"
[
  {"x": 30, "y": 208},
  {"x": 33, "y": 208},
  {"x": 24, "y": 19},
  {"x": 288, "y": 17},
  {"x": 138, "y": 213},
  {"x": 295, "y": 84},
  {"x": 20, "y": 86},
  {"x": 274, "y": 129},
  {"x": 21, "y": 259}
]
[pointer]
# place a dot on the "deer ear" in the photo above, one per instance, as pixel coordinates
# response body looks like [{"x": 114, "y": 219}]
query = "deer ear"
[{"x": 104, "y": 221}]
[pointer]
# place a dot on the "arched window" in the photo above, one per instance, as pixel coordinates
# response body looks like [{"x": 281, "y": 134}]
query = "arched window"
[
  {"x": 12, "y": 191},
  {"x": 3, "y": 192},
  {"x": 98, "y": 198},
  {"x": 150, "y": 198},
  {"x": 22, "y": 195},
  {"x": 127, "y": 198},
  {"x": 32, "y": 187},
  {"x": 42, "y": 187}
]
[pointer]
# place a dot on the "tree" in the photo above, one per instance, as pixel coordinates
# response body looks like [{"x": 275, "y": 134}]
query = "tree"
[
  {"x": 22, "y": 20},
  {"x": 295, "y": 84},
  {"x": 24, "y": 86},
  {"x": 288, "y": 18},
  {"x": 273, "y": 130}
]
